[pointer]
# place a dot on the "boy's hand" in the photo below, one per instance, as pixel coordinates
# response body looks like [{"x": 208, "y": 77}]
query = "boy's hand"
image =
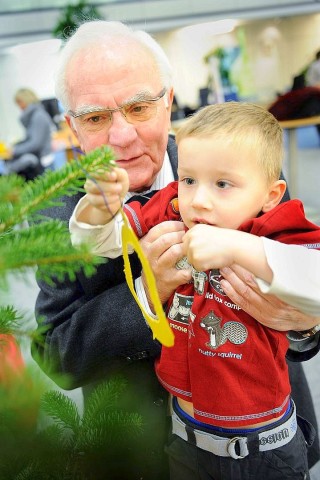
[
  {"x": 105, "y": 196},
  {"x": 209, "y": 247}
]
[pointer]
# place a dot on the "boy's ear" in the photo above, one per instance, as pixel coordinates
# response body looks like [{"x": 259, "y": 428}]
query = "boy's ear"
[{"x": 276, "y": 191}]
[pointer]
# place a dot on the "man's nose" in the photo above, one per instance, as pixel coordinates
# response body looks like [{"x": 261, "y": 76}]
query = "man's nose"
[{"x": 121, "y": 132}]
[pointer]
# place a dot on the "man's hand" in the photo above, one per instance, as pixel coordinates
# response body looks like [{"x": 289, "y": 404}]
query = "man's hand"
[
  {"x": 241, "y": 288},
  {"x": 105, "y": 193},
  {"x": 163, "y": 248}
]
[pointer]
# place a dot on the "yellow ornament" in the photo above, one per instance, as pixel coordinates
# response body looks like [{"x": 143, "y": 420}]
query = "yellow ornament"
[{"x": 159, "y": 326}]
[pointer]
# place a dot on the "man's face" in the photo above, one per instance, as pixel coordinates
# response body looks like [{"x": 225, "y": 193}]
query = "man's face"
[{"x": 108, "y": 77}]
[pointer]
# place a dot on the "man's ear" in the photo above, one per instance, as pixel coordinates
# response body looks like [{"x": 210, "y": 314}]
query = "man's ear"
[
  {"x": 170, "y": 94},
  {"x": 70, "y": 125},
  {"x": 276, "y": 191},
  {"x": 169, "y": 100}
]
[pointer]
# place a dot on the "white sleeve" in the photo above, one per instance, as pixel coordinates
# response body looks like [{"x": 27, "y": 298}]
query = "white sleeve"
[
  {"x": 105, "y": 239},
  {"x": 296, "y": 275},
  {"x": 141, "y": 294}
]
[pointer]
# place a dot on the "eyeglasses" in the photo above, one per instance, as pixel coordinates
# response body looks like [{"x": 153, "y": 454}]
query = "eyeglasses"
[{"x": 135, "y": 112}]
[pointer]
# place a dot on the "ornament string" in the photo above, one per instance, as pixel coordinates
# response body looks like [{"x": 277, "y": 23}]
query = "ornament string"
[{"x": 159, "y": 325}]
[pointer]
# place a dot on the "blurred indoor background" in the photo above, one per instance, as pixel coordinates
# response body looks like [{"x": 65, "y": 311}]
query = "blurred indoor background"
[{"x": 245, "y": 50}]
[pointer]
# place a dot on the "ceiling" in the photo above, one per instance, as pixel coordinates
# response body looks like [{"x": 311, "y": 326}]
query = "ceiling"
[{"x": 26, "y": 21}]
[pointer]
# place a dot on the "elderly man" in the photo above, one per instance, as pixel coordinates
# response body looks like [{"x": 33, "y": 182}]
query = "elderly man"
[{"x": 106, "y": 74}]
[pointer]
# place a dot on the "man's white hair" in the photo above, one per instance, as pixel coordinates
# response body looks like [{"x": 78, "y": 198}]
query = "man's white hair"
[{"x": 98, "y": 32}]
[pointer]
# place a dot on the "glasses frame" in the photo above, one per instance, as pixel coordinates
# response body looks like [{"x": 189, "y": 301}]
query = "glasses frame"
[{"x": 111, "y": 111}]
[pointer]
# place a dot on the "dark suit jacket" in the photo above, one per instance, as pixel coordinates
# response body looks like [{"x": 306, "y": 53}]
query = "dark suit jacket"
[{"x": 96, "y": 329}]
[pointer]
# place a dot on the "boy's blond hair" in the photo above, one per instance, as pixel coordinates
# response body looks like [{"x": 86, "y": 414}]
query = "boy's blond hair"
[{"x": 243, "y": 124}]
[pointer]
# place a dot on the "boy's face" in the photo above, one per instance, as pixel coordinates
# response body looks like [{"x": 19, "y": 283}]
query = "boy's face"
[{"x": 219, "y": 184}]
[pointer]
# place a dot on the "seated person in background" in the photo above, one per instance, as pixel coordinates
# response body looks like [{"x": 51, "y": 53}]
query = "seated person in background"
[
  {"x": 226, "y": 372},
  {"x": 313, "y": 72},
  {"x": 27, "y": 155},
  {"x": 299, "y": 103},
  {"x": 303, "y": 101}
]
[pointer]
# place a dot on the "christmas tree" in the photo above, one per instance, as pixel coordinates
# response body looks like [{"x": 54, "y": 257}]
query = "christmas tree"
[{"x": 42, "y": 433}]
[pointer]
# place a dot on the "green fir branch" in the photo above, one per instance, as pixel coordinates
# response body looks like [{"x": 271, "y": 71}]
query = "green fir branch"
[
  {"x": 56, "y": 455},
  {"x": 46, "y": 245},
  {"x": 62, "y": 409},
  {"x": 110, "y": 428},
  {"x": 10, "y": 325},
  {"x": 8, "y": 319},
  {"x": 44, "y": 191},
  {"x": 10, "y": 189},
  {"x": 103, "y": 421},
  {"x": 30, "y": 472},
  {"x": 71, "y": 447},
  {"x": 66, "y": 449},
  {"x": 104, "y": 397}
]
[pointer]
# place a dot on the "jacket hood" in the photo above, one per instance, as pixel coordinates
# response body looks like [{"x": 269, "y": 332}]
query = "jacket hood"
[{"x": 284, "y": 222}]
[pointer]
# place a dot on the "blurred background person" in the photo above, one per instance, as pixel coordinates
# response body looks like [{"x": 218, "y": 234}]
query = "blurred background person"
[
  {"x": 313, "y": 73},
  {"x": 31, "y": 155}
]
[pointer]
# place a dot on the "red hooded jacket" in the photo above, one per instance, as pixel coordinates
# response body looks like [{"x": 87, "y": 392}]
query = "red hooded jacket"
[{"x": 229, "y": 365}]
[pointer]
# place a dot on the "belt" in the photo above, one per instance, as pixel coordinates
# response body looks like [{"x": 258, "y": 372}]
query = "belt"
[{"x": 237, "y": 446}]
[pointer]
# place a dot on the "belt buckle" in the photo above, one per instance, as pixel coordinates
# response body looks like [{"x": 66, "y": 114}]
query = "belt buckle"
[{"x": 231, "y": 447}]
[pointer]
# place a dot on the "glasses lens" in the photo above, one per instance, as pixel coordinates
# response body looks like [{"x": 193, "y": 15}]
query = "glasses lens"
[
  {"x": 140, "y": 112},
  {"x": 95, "y": 121}
]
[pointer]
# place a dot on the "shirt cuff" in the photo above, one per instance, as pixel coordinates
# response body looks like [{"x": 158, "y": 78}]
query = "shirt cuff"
[
  {"x": 105, "y": 239},
  {"x": 141, "y": 294}
]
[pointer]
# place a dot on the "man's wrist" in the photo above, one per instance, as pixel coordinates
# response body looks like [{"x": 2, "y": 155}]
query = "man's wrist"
[
  {"x": 302, "y": 348},
  {"x": 310, "y": 332}
]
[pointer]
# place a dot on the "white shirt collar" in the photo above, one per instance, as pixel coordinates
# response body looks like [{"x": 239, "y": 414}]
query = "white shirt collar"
[{"x": 164, "y": 177}]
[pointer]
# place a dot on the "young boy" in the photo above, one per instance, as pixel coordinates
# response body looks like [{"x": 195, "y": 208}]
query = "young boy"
[{"x": 232, "y": 416}]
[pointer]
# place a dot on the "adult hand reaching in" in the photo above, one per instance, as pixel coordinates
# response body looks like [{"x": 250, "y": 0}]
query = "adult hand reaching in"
[
  {"x": 209, "y": 247},
  {"x": 242, "y": 289}
]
